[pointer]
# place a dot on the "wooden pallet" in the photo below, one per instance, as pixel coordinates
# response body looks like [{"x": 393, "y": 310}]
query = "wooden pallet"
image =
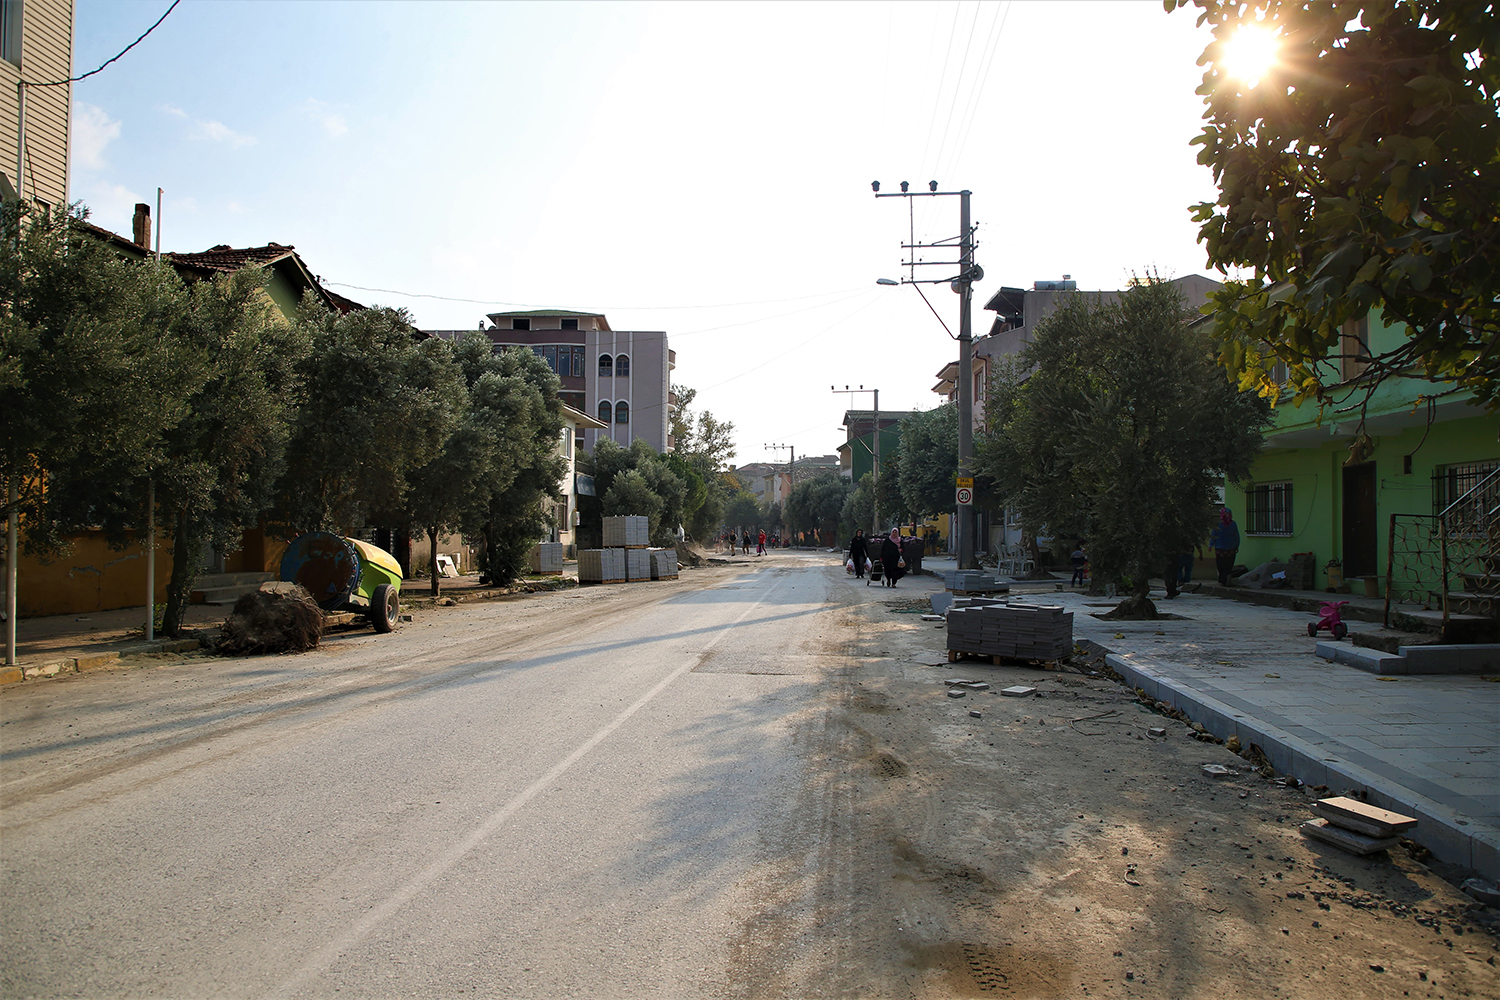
[{"x": 957, "y": 655}]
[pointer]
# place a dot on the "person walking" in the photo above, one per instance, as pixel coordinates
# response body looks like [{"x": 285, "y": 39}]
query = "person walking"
[
  {"x": 891, "y": 558},
  {"x": 1225, "y": 541},
  {"x": 859, "y": 552},
  {"x": 760, "y": 543},
  {"x": 1080, "y": 561}
]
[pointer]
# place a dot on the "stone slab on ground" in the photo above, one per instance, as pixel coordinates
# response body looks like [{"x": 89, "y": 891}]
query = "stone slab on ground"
[
  {"x": 1361, "y": 817},
  {"x": 1018, "y": 691},
  {"x": 1356, "y": 843}
]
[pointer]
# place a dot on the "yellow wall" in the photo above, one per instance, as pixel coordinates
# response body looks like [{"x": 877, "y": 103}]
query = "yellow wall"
[{"x": 93, "y": 577}]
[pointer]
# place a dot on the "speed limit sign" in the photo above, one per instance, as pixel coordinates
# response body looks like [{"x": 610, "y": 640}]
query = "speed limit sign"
[{"x": 965, "y": 496}]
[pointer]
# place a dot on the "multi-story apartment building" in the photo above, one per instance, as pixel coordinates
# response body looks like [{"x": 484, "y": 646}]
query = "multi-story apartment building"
[
  {"x": 621, "y": 377},
  {"x": 36, "y": 47}
]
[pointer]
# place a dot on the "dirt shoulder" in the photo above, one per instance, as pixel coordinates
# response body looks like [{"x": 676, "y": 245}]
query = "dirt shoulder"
[{"x": 1052, "y": 847}]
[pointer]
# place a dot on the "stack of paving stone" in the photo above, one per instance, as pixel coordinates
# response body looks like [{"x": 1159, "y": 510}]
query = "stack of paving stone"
[
  {"x": 1019, "y": 631},
  {"x": 627, "y": 531},
  {"x": 975, "y": 581},
  {"x": 1356, "y": 826},
  {"x": 663, "y": 564},
  {"x": 601, "y": 565},
  {"x": 637, "y": 564},
  {"x": 547, "y": 558}
]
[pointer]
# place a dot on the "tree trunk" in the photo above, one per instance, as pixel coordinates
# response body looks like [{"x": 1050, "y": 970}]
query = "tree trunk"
[
  {"x": 184, "y": 572},
  {"x": 432, "y": 537}
]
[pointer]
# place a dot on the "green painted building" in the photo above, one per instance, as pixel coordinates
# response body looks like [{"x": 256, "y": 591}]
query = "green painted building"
[
  {"x": 1330, "y": 480},
  {"x": 857, "y": 453}
]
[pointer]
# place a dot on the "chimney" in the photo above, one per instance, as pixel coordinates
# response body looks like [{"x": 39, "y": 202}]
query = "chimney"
[{"x": 141, "y": 229}]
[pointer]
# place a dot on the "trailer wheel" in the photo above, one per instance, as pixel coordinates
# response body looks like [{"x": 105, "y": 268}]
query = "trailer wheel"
[{"x": 385, "y": 606}]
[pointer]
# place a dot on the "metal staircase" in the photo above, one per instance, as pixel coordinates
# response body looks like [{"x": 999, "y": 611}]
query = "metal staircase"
[{"x": 1469, "y": 532}]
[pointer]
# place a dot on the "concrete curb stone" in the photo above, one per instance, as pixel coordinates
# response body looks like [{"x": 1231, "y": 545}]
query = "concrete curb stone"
[{"x": 92, "y": 661}]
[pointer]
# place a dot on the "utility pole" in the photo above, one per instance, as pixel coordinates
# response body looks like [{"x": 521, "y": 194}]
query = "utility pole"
[
  {"x": 875, "y": 452},
  {"x": 961, "y": 283},
  {"x": 791, "y": 473}
]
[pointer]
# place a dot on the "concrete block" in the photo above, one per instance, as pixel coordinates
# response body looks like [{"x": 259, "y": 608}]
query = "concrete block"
[
  {"x": 941, "y": 602},
  {"x": 1361, "y": 658},
  {"x": 1018, "y": 691},
  {"x": 96, "y": 661},
  {"x": 50, "y": 669},
  {"x": 1484, "y": 853},
  {"x": 1439, "y": 831},
  {"x": 12, "y": 675},
  {"x": 1218, "y": 771},
  {"x": 976, "y": 715},
  {"x": 957, "y": 692},
  {"x": 1471, "y": 659},
  {"x": 977, "y": 685},
  {"x": 1307, "y": 764},
  {"x": 1158, "y": 731}
]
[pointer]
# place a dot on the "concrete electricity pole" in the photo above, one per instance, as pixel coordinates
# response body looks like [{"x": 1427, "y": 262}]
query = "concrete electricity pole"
[
  {"x": 962, "y": 283},
  {"x": 875, "y": 451}
]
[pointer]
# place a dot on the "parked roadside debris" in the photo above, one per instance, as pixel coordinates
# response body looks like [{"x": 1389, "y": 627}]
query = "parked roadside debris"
[
  {"x": 284, "y": 620},
  {"x": 957, "y": 692},
  {"x": 1218, "y": 771}
]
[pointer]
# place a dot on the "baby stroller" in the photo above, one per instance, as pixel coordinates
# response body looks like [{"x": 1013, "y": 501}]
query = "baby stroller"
[{"x": 874, "y": 576}]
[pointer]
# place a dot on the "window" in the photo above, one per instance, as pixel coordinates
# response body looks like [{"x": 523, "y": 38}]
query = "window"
[
  {"x": 520, "y": 323},
  {"x": 622, "y": 365},
  {"x": 578, "y": 362},
  {"x": 1452, "y": 482},
  {"x": 606, "y": 366},
  {"x": 622, "y": 413},
  {"x": 10, "y": 31},
  {"x": 1269, "y": 509},
  {"x": 565, "y": 442},
  {"x": 604, "y": 415},
  {"x": 570, "y": 323},
  {"x": 1354, "y": 347},
  {"x": 575, "y": 400}
]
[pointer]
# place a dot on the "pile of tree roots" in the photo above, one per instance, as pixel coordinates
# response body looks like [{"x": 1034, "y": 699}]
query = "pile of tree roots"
[{"x": 284, "y": 620}]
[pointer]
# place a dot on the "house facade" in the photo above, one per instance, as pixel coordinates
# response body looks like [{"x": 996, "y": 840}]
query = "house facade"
[
  {"x": 36, "y": 47},
  {"x": 1347, "y": 480},
  {"x": 622, "y": 378}
]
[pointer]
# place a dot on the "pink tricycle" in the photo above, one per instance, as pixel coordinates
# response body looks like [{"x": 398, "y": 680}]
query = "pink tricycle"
[{"x": 1331, "y": 619}]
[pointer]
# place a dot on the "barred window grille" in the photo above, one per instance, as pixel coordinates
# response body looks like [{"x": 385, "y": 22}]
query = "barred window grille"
[
  {"x": 1269, "y": 509},
  {"x": 1452, "y": 482}
]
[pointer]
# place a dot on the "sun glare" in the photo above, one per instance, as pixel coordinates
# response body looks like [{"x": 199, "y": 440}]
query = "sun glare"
[{"x": 1250, "y": 54}]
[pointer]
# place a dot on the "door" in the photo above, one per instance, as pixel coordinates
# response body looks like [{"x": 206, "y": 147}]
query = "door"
[{"x": 1359, "y": 521}]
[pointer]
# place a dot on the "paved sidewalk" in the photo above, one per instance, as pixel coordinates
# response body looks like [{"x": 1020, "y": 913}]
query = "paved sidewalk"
[{"x": 1424, "y": 744}]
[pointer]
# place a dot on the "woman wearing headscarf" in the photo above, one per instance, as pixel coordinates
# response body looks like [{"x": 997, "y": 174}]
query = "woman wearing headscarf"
[
  {"x": 1226, "y": 545},
  {"x": 890, "y": 558}
]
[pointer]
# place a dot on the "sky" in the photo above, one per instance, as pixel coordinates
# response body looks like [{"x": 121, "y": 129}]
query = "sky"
[{"x": 698, "y": 168}]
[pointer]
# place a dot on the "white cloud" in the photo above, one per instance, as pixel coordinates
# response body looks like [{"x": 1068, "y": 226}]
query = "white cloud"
[
  {"x": 321, "y": 111},
  {"x": 172, "y": 109},
  {"x": 235, "y": 208},
  {"x": 92, "y": 131},
  {"x": 219, "y": 132}
]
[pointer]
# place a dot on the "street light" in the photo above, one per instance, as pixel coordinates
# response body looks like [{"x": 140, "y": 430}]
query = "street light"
[{"x": 886, "y": 281}]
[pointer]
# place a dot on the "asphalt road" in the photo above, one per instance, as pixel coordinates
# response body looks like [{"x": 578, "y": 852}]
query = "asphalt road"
[{"x": 587, "y": 794}]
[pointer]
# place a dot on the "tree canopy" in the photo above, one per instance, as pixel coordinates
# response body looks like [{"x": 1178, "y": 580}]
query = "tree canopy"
[
  {"x": 1361, "y": 172},
  {"x": 1121, "y": 432},
  {"x": 816, "y": 504}
]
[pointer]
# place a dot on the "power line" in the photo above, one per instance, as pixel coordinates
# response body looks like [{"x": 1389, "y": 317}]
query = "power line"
[
  {"x": 846, "y": 292},
  {"x": 85, "y": 76}
]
